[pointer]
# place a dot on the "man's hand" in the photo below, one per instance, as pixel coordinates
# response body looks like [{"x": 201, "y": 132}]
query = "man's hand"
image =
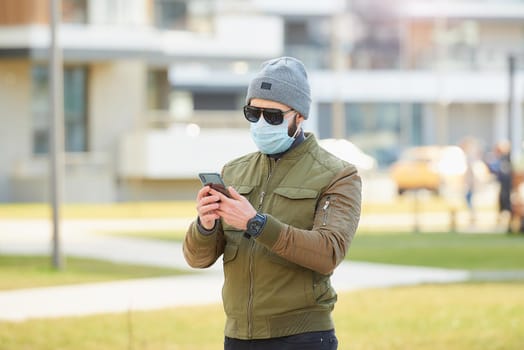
[
  {"x": 207, "y": 205},
  {"x": 236, "y": 211}
]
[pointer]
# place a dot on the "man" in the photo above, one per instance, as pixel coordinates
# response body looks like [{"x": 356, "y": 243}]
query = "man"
[
  {"x": 292, "y": 213},
  {"x": 500, "y": 166}
]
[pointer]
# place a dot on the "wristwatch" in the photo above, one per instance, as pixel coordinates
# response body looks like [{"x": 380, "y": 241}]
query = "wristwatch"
[{"x": 255, "y": 225}]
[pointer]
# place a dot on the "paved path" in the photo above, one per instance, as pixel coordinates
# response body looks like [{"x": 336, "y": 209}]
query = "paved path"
[
  {"x": 204, "y": 286},
  {"x": 79, "y": 239}
]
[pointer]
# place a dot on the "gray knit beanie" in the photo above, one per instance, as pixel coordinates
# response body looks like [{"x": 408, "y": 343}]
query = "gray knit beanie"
[{"x": 282, "y": 80}]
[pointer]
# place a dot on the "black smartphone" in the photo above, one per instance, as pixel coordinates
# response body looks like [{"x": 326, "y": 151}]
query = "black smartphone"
[{"x": 214, "y": 180}]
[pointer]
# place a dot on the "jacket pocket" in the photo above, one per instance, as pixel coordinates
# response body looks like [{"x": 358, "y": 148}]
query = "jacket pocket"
[
  {"x": 233, "y": 290},
  {"x": 296, "y": 193},
  {"x": 243, "y": 189},
  {"x": 295, "y": 206},
  {"x": 323, "y": 293},
  {"x": 230, "y": 252}
]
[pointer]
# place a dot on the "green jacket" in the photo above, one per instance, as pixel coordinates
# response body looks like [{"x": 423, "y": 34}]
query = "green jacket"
[{"x": 278, "y": 284}]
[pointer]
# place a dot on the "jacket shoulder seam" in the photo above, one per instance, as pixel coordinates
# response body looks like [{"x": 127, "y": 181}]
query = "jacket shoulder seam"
[{"x": 323, "y": 161}]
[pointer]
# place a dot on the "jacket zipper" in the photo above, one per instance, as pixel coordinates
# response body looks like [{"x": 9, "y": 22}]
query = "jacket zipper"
[
  {"x": 251, "y": 260},
  {"x": 262, "y": 195},
  {"x": 251, "y": 288},
  {"x": 325, "y": 209}
]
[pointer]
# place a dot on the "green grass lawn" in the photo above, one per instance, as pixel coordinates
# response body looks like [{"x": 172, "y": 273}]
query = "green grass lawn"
[
  {"x": 30, "y": 271},
  {"x": 430, "y": 317},
  {"x": 121, "y": 210},
  {"x": 447, "y": 250},
  {"x": 167, "y": 235}
]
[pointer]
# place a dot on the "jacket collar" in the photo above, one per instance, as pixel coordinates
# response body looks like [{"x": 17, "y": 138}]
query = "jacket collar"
[
  {"x": 298, "y": 140},
  {"x": 307, "y": 140}
]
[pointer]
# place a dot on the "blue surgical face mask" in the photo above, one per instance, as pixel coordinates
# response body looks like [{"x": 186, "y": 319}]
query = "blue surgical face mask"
[{"x": 272, "y": 139}]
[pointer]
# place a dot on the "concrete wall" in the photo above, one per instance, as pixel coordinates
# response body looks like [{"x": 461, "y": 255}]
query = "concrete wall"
[
  {"x": 158, "y": 190},
  {"x": 116, "y": 106},
  {"x": 449, "y": 124},
  {"x": 116, "y": 102},
  {"x": 119, "y": 12},
  {"x": 15, "y": 119}
]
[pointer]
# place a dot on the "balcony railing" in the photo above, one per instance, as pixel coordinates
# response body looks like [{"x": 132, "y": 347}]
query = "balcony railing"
[
  {"x": 204, "y": 119},
  {"x": 78, "y": 162}
]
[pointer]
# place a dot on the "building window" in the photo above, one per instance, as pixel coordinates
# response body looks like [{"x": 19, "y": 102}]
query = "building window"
[
  {"x": 157, "y": 89},
  {"x": 216, "y": 101},
  {"x": 195, "y": 15},
  {"x": 40, "y": 109},
  {"x": 377, "y": 41},
  {"x": 325, "y": 125},
  {"x": 377, "y": 128},
  {"x": 170, "y": 14},
  {"x": 75, "y": 109},
  {"x": 75, "y": 84},
  {"x": 74, "y": 11},
  {"x": 310, "y": 40}
]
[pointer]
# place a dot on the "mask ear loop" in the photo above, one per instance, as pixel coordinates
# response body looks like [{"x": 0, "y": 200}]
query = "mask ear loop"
[{"x": 297, "y": 127}]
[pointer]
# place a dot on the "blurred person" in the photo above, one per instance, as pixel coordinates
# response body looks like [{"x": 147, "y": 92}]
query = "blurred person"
[
  {"x": 471, "y": 150},
  {"x": 499, "y": 163},
  {"x": 290, "y": 219}
]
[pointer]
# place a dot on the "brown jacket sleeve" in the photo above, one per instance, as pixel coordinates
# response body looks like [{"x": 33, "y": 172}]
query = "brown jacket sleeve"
[
  {"x": 336, "y": 220},
  {"x": 201, "y": 251}
]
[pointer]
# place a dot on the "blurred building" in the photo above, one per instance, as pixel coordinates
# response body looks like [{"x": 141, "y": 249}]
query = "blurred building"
[{"x": 153, "y": 88}]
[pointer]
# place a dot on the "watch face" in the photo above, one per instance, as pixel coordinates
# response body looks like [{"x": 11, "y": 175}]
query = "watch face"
[{"x": 255, "y": 224}]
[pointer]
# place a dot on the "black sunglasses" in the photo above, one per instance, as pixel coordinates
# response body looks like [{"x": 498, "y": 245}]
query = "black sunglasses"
[{"x": 273, "y": 116}]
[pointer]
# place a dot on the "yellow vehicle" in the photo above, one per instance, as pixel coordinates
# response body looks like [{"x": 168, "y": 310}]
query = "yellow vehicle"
[{"x": 429, "y": 167}]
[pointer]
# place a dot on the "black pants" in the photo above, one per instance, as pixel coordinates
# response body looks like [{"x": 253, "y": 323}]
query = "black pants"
[{"x": 324, "y": 340}]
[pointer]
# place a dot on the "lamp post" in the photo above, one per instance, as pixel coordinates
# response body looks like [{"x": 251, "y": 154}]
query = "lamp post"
[
  {"x": 511, "y": 101},
  {"x": 339, "y": 24},
  {"x": 56, "y": 130}
]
